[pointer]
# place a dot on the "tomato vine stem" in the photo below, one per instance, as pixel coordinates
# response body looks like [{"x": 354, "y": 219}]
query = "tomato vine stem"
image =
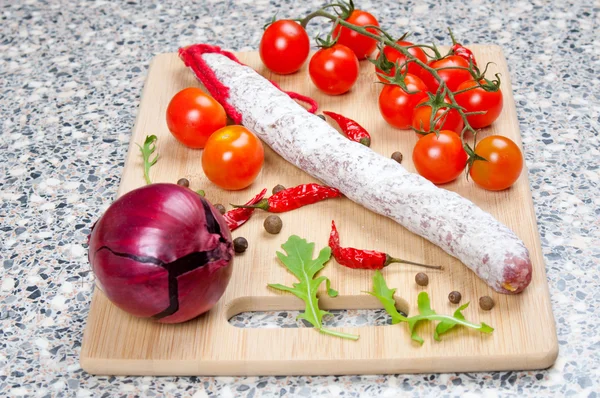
[{"x": 385, "y": 39}]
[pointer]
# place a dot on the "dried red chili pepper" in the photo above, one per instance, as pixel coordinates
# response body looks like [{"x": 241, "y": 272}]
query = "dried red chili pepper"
[
  {"x": 236, "y": 217},
  {"x": 363, "y": 259},
  {"x": 294, "y": 198},
  {"x": 460, "y": 50},
  {"x": 353, "y": 130}
]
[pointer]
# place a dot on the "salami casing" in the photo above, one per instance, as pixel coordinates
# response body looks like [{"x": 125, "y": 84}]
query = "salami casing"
[{"x": 376, "y": 182}]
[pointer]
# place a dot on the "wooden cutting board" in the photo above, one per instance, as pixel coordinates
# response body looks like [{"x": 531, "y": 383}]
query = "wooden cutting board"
[{"x": 524, "y": 337}]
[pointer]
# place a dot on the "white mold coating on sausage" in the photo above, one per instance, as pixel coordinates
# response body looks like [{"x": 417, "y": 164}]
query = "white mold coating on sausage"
[{"x": 376, "y": 182}]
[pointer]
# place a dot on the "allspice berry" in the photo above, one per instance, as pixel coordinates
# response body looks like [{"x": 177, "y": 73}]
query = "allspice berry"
[
  {"x": 422, "y": 279},
  {"x": 240, "y": 244},
  {"x": 486, "y": 303},
  {"x": 397, "y": 156},
  {"x": 221, "y": 208},
  {"x": 454, "y": 297},
  {"x": 278, "y": 188},
  {"x": 273, "y": 224},
  {"x": 184, "y": 182}
]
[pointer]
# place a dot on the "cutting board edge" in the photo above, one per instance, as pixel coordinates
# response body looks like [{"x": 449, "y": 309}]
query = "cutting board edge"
[
  {"x": 325, "y": 367},
  {"x": 537, "y": 360}
]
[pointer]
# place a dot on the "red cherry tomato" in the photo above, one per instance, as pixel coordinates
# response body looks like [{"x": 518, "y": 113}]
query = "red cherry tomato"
[
  {"x": 361, "y": 45},
  {"x": 503, "y": 166},
  {"x": 441, "y": 158},
  {"x": 395, "y": 56},
  {"x": 397, "y": 106},
  {"x": 233, "y": 157},
  {"x": 478, "y": 99},
  {"x": 452, "y": 77},
  {"x": 451, "y": 121},
  {"x": 192, "y": 116},
  {"x": 334, "y": 70},
  {"x": 284, "y": 47}
]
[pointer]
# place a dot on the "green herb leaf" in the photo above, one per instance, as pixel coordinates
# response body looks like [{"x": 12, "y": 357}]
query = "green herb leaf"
[
  {"x": 201, "y": 192},
  {"x": 299, "y": 261},
  {"x": 147, "y": 150},
  {"x": 426, "y": 313},
  {"x": 386, "y": 296},
  {"x": 330, "y": 291}
]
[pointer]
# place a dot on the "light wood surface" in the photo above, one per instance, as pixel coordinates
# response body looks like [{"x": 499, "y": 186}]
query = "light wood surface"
[{"x": 524, "y": 337}]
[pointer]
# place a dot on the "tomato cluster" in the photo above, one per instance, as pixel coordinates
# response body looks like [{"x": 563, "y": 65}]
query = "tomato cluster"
[
  {"x": 412, "y": 99},
  {"x": 233, "y": 156}
]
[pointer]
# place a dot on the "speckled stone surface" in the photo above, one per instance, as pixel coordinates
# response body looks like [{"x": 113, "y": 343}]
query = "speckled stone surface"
[{"x": 71, "y": 75}]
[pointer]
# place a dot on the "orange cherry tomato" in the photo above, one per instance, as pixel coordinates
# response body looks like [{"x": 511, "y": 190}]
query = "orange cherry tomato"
[
  {"x": 503, "y": 166},
  {"x": 233, "y": 157},
  {"x": 192, "y": 116}
]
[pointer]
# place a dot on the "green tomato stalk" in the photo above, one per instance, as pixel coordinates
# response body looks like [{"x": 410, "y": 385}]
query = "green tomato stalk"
[{"x": 386, "y": 39}]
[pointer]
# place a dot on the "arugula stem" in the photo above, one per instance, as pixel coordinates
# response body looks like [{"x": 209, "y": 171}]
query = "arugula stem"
[
  {"x": 339, "y": 334},
  {"x": 438, "y": 317}
]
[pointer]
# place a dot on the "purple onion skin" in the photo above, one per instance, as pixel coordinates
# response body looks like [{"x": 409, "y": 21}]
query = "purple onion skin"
[{"x": 162, "y": 251}]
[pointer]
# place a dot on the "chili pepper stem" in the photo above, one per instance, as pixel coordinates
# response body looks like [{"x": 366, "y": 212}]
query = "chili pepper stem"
[
  {"x": 262, "y": 204},
  {"x": 390, "y": 260}
]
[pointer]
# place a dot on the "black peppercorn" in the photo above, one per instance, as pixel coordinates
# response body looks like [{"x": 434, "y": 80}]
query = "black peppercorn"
[
  {"x": 486, "y": 303},
  {"x": 273, "y": 224},
  {"x": 422, "y": 279},
  {"x": 454, "y": 297},
  {"x": 240, "y": 244}
]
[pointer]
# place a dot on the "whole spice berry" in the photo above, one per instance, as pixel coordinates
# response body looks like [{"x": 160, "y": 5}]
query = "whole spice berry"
[
  {"x": 486, "y": 303},
  {"x": 273, "y": 224},
  {"x": 322, "y": 117},
  {"x": 240, "y": 244},
  {"x": 422, "y": 279},
  {"x": 184, "y": 182},
  {"x": 454, "y": 297},
  {"x": 397, "y": 156},
  {"x": 278, "y": 188},
  {"x": 221, "y": 208}
]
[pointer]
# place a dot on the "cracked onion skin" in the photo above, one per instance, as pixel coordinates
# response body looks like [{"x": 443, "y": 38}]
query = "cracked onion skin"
[{"x": 162, "y": 251}]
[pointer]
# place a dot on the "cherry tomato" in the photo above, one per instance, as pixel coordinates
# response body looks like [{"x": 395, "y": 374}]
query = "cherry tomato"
[
  {"x": 284, "y": 47},
  {"x": 451, "y": 121},
  {"x": 395, "y": 56},
  {"x": 441, "y": 158},
  {"x": 361, "y": 45},
  {"x": 478, "y": 99},
  {"x": 503, "y": 166},
  {"x": 452, "y": 77},
  {"x": 334, "y": 70},
  {"x": 233, "y": 157},
  {"x": 192, "y": 116},
  {"x": 397, "y": 106}
]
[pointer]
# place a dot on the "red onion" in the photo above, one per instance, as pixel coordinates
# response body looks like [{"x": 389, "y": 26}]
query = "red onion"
[{"x": 162, "y": 251}]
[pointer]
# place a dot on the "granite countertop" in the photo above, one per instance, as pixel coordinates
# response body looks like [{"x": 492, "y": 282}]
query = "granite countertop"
[{"x": 71, "y": 76}]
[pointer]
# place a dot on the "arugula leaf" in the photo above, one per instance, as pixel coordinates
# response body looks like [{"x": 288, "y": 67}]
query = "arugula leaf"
[
  {"x": 147, "y": 150},
  {"x": 386, "y": 296},
  {"x": 426, "y": 313},
  {"x": 299, "y": 262}
]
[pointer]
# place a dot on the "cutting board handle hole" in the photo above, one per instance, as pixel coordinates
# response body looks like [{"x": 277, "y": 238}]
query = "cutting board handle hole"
[{"x": 281, "y": 311}]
